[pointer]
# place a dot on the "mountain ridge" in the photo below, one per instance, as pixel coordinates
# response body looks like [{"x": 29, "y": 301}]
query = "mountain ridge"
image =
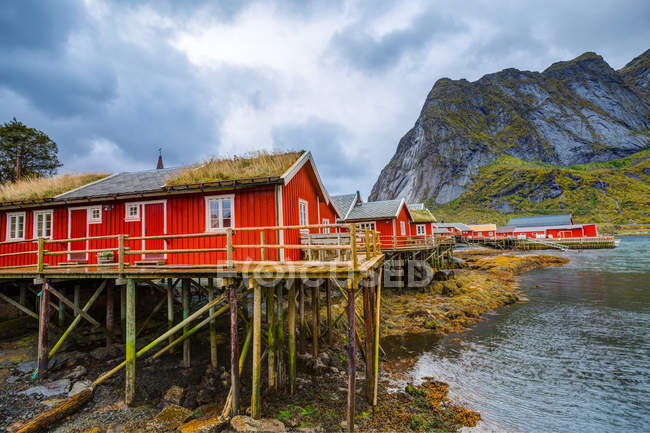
[{"x": 574, "y": 112}]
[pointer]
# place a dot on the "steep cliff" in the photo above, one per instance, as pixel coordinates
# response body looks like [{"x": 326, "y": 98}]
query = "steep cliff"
[{"x": 574, "y": 112}]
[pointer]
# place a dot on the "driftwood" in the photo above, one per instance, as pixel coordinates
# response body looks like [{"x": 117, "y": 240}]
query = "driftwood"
[{"x": 50, "y": 416}]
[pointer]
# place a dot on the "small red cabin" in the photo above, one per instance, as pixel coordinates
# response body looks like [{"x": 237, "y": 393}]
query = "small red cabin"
[
  {"x": 145, "y": 204},
  {"x": 550, "y": 226}
]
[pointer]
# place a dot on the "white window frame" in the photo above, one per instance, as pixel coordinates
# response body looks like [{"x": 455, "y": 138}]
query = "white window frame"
[
  {"x": 9, "y": 238},
  {"x": 325, "y": 221},
  {"x": 421, "y": 228},
  {"x": 91, "y": 219},
  {"x": 38, "y": 213},
  {"x": 127, "y": 213},
  {"x": 221, "y": 228},
  {"x": 402, "y": 228},
  {"x": 372, "y": 225},
  {"x": 303, "y": 203}
]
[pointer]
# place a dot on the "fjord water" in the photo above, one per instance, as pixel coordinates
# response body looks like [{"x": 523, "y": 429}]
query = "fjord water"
[{"x": 574, "y": 358}]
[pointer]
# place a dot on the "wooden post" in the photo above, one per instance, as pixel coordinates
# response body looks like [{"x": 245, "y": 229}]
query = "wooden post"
[
  {"x": 170, "y": 309},
  {"x": 129, "y": 395},
  {"x": 314, "y": 321},
  {"x": 262, "y": 250},
  {"x": 213, "y": 326},
  {"x": 43, "y": 330},
  {"x": 122, "y": 310},
  {"x": 301, "y": 313},
  {"x": 353, "y": 246},
  {"x": 270, "y": 321},
  {"x": 234, "y": 349},
  {"x": 110, "y": 311},
  {"x": 61, "y": 311},
  {"x": 375, "y": 388},
  {"x": 291, "y": 319},
  {"x": 120, "y": 253},
  {"x": 257, "y": 346},
  {"x": 40, "y": 264},
  {"x": 23, "y": 295},
  {"x": 367, "y": 242},
  {"x": 328, "y": 287},
  {"x": 367, "y": 320},
  {"x": 186, "y": 328},
  {"x": 281, "y": 377},
  {"x": 352, "y": 353},
  {"x": 229, "y": 249}
]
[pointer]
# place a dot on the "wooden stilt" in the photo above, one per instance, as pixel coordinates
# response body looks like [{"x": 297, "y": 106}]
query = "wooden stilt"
[
  {"x": 367, "y": 320},
  {"x": 77, "y": 295},
  {"x": 61, "y": 311},
  {"x": 110, "y": 311},
  {"x": 301, "y": 313},
  {"x": 314, "y": 321},
  {"x": 43, "y": 330},
  {"x": 122, "y": 310},
  {"x": 23, "y": 295},
  {"x": 291, "y": 319},
  {"x": 280, "y": 358},
  {"x": 271, "y": 344},
  {"x": 213, "y": 326},
  {"x": 328, "y": 287},
  {"x": 234, "y": 349},
  {"x": 129, "y": 395},
  {"x": 257, "y": 346},
  {"x": 186, "y": 328},
  {"x": 170, "y": 308},
  {"x": 352, "y": 353},
  {"x": 378, "y": 283}
]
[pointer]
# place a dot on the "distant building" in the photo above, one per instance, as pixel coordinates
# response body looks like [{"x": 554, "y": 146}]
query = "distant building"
[{"x": 547, "y": 226}]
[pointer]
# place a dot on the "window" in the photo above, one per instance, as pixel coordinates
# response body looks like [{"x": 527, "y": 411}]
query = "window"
[
  {"x": 16, "y": 226},
  {"x": 95, "y": 215},
  {"x": 220, "y": 213},
  {"x": 325, "y": 222},
  {"x": 370, "y": 224},
  {"x": 421, "y": 230},
  {"x": 402, "y": 227},
  {"x": 132, "y": 212},
  {"x": 303, "y": 212},
  {"x": 43, "y": 224}
]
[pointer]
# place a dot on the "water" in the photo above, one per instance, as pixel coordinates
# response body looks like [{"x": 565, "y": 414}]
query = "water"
[{"x": 574, "y": 358}]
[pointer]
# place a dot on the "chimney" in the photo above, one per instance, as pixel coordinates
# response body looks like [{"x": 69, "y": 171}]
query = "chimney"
[
  {"x": 160, "y": 161},
  {"x": 358, "y": 201}
]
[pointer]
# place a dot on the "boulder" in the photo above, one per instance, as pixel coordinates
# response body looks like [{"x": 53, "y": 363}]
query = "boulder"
[
  {"x": 78, "y": 372},
  {"x": 80, "y": 386},
  {"x": 170, "y": 417},
  {"x": 174, "y": 395},
  {"x": 51, "y": 389},
  {"x": 212, "y": 424},
  {"x": 104, "y": 353},
  {"x": 245, "y": 424}
]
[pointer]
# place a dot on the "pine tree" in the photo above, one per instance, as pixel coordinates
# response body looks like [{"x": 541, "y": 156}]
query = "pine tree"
[{"x": 26, "y": 152}]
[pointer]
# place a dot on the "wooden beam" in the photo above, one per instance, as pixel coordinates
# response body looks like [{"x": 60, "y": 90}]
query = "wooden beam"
[
  {"x": 43, "y": 330},
  {"x": 352, "y": 353},
  {"x": 186, "y": 328},
  {"x": 234, "y": 349},
  {"x": 270, "y": 341},
  {"x": 129, "y": 394},
  {"x": 170, "y": 307},
  {"x": 280, "y": 358},
  {"x": 110, "y": 310},
  {"x": 291, "y": 319},
  {"x": 213, "y": 326},
  {"x": 367, "y": 320},
  {"x": 314, "y": 321},
  {"x": 257, "y": 340},
  {"x": 61, "y": 311},
  {"x": 123, "y": 311},
  {"x": 301, "y": 313},
  {"x": 328, "y": 288},
  {"x": 378, "y": 283}
]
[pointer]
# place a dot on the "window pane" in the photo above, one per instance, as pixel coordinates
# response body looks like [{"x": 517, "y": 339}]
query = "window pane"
[
  {"x": 226, "y": 213},
  {"x": 21, "y": 220},
  {"x": 12, "y": 227},
  {"x": 214, "y": 214},
  {"x": 48, "y": 225}
]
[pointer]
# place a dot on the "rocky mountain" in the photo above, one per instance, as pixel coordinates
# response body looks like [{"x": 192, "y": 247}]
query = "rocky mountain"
[
  {"x": 613, "y": 192},
  {"x": 574, "y": 112}
]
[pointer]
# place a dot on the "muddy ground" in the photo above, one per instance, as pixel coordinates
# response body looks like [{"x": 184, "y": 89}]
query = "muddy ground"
[{"x": 319, "y": 404}]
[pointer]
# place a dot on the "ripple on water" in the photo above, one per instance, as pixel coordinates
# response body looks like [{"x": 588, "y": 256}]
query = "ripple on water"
[{"x": 576, "y": 357}]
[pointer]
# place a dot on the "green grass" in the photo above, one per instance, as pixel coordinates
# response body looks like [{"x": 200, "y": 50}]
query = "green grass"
[{"x": 614, "y": 192}]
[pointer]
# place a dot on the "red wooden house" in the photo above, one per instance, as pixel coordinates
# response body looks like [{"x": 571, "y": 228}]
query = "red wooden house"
[
  {"x": 391, "y": 218},
  {"x": 145, "y": 204},
  {"x": 423, "y": 222},
  {"x": 550, "y": 226}
]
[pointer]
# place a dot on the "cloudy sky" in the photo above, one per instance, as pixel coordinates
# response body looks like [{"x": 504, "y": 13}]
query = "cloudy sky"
[{"x": 113, "y": 81}]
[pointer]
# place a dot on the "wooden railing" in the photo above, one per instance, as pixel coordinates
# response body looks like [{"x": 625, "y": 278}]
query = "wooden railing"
[{"x": 264, "y": 243}]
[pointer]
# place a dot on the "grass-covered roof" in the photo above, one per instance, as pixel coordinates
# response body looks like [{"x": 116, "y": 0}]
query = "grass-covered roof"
[
  {"x": 252, "y": 165},
  {"x": 422, "y": 216},
  {"x": 45, "y": 187}
]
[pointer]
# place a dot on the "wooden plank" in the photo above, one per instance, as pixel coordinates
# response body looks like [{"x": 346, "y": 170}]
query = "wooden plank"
[
  {"x": 234, "y": 349},
  {"x": 271, "y": 344},
  {"x": 352, "y": 354},
  {"x": 314, "y": 321},
  {"x": 301, "y": 312},
  {"x": 257, "y": 346},
  {"x": 186, "y": 328},
  {"x": 328, "y": 288},
  {"x": 110, "y": 310},
  {"x": 43, "y": 330},
  {"x": 291, "y": 319},
  {"x": 170, "y": 307},
  {"x": 367, "y": 320},
  {"x": 375, "y": 388},
  {"x": 212, "y": 326}
]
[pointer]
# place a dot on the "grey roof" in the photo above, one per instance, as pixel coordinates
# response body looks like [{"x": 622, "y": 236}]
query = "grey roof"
[
  {"x": 459, "y": 226},
  {"x": 543, "y": 228},
  {"x": 123, "y": 183},
  {"x": 374, "y": 210},
  {"x": 342, "y": 203},
  {"x": 506, "y": 229},
  {"x": 545, "y": 220}
]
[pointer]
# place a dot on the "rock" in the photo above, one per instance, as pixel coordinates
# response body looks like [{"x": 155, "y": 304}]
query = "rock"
[
  {"x": 324, "y": 357},
  {"x": 26, "y": 367},
  {"x": 78, "y": 372},
  {"x": 51, "y": 389},
  {"x": 51, "y": 402},
  {"x": 174, "y": 395},
  {"x": 204, "y": 396},
  {"x": 104, "y": 353},
  {"x": 245, "y": 424},
  {"x": 82, "y": 385},
  {"x": 170, "y": 418},
  {"x": 318, "y": 367},
  {"x": 334, "y": 370},
  {"x": 190, "y": 398},
  {"x": 204, "y": 425}
]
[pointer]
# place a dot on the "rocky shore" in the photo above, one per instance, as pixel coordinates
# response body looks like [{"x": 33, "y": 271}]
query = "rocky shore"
[{"x": 172, "y": 399}]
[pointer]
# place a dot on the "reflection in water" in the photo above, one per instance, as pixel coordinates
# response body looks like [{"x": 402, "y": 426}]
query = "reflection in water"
[{"x": 575, "y": 357}]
